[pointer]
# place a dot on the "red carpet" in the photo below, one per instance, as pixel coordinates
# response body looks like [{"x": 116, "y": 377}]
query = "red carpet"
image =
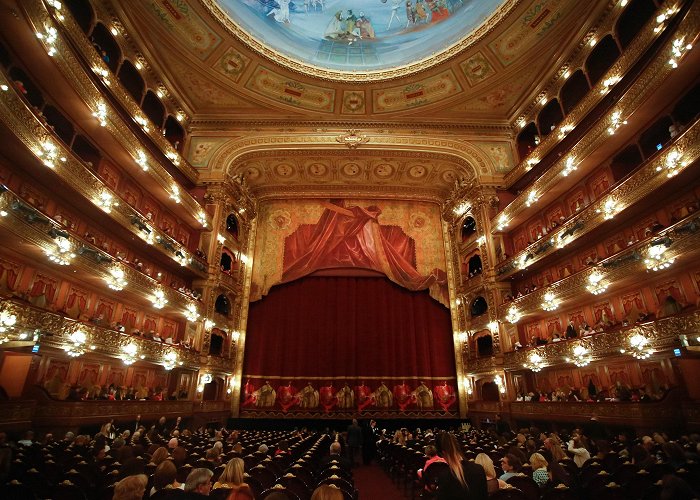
[{"x": 373, "y": 483}]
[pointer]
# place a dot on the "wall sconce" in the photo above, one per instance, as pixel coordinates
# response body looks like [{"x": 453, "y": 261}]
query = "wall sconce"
[
  {"x": 502, "y": 222},
  {"x": 550, "y": 302},
  {"x": 236, "y": 336},
  {"x": 49, "y": 154},
  {"x": 7, "y": 321},
  {"x": 639, "y": 347},
  {"x": 106, "y": 201},
  {"x": 535, "y": 362},
  {"x": 170, "y": 360},
  {"x": 678, "y": 50},
  {"x": 580, "y": 356},
  {"x": 101, "y": 114},
  {"x": 657, "y": 260},
  {"x": 116, "y": 279},
  {"x": 610, "y": 208},
  {"x": 513, "y": 315},
  {"x": 76, "y": 344},
  {"x": 141, "y": 160},
  {"x": 158, "y": 299},
  {"x": 501, "y": 385},
  {"x": 173, "y": 157},
  {"x": 570, "y": 167},
  {"x": 206, "y": 378},
  {"x": 616, "y": 122},
  {"x": 608, "y": 83},
  {"x": 208, "y": 324},
  {"x": 202, "y": 219},
  {"x": 595, "y": 283},
  {"x": 191, "y": 312},
  {"x": 673, "y": 164},
  {"x": 493, "y": 326},
  {"x": 522, "y": 261},
  {"x": 62, "y": 254},
  {"x": 175, "y": 196},
  {"x": 468, "y": 386},
  {"x": 531, "y": 198},
  {"x": 143, "y": 122},
  {"x": 130, "y": 353},
  {"x": 462, "y": 208},
  {"x": 49, "y": 38},
  {"x": 565, "y": 129}
]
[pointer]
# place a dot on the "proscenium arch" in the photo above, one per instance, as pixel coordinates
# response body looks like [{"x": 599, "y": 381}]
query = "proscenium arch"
[{"x": 473, "y": 162}]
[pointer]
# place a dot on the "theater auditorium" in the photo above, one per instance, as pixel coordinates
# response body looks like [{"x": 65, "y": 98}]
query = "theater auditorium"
[{"x": 349, "y": 249}]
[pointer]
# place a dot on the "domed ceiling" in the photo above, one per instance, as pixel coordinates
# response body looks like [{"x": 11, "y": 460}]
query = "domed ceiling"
[{"x": 359, "y": 35}]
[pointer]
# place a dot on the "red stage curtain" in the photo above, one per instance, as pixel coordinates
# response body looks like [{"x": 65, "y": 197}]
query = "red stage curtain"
[{"x": 348, "y": 328}]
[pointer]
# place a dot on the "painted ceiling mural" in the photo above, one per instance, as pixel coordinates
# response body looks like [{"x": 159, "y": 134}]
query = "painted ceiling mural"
[{"x": 359, "y": 35}]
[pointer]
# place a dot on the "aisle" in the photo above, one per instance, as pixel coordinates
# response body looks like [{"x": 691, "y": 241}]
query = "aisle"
[{"x": 373, "y": 483}]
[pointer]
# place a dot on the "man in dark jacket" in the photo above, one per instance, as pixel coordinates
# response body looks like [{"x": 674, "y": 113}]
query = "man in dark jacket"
[{"x": 354, "y": 440}]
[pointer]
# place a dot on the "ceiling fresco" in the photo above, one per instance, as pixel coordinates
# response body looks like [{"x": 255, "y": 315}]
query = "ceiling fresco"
[{"x": 359, "y": 35}]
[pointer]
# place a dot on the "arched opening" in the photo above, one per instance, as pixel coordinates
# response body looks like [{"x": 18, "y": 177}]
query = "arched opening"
[
  {"x": 625, "y": 162},
  {"x": 468, "y": 227},
  {"x": 575, "y": 88},
  {"x": 478, "y": 307},
  {"x": 82, "y": 13},
  {"x": 528, "y": 139},
  {"x": 635, "y": 16},
  {"x": 216, "y": 342},
  {"x": 475, "y": 265},
  {"x": 550, "y": 117},
  {"x": 226, "y": 262},
  {"x": 484, "y": 345},
  {"x": 86, "y": 152},
  {"x": 61, "y": 125},
  {"x": 222, "y": 305},
  {"x": 232, "y": 225},
  {"x": 106, "y": 46},
  {"x": 174, "y": 133},
  {"x": 154, "y": 109},
  {"x": 601, "y": 58},
  {"x": 130, "y": 77},
  {"x": 687, "y": 109},
  {"x": 211, "y": 390},
  {"x": 655, "y": 137},
  {"x": 26, "y": 87},
  {"x": 489, "y": 392}
]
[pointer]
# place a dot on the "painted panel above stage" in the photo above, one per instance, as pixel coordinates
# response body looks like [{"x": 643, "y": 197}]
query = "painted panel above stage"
[
  {"x": 399, "y": 239},
  {"x": 359, "y": 35},
  {"x": 304, "y": 398}
]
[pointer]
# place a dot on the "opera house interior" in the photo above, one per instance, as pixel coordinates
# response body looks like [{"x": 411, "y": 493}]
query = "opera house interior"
[{"x": 262, "y": 219}]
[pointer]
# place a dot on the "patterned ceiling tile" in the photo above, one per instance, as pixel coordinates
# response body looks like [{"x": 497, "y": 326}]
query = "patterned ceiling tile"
[
  {"x": 232, "y": 64},
  {"x": 181, "y": 21},
  {"x": 417, "y": 94},
  {"x": 477, "y": 68},
  {"x": 353, "y": 102},
  {"x": 281, "y": 88}
]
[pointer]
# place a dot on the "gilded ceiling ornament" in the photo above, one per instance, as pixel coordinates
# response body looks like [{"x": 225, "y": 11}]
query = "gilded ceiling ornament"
[{"x": 352, "y": 139}]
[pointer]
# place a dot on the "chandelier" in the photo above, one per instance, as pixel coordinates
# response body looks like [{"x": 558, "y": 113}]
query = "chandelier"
[
  {"x": 513, "y": 315},
  {"x": 63, "y": 253},
  {"x": 170, "y": 360},
  {"x": 76, "y": 345},
  {"x": 639, "y": 347},
  {"x": 595, "y": 283},
  {"x": 116, "y": 280},
  {"x": 656, "y": 260},
  {"x": 7, "y": 321},
  {"x": 191, "y": 312},
  {"x": 535, "y": 362},
  {"x": 550, "y": 302},
  {"x": 673, "y": 164},
  {"x": 159, "y": 299},
  {"x": 130, "y": 353},
  {"x": 500, "y": 383},
  {"x": 581, "y": 356}
]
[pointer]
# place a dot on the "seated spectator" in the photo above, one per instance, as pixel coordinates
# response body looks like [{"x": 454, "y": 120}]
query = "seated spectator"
[
  {"x": 492, "y": 482},
  {"x": 198, "y": 484},
  {"x": 327, "y": 492},
  {"x": 130, "y": 488},
  {"x": 432, "y": 457},
  {"x": 28, "y": 439},
  {"x": 539, "y": 469},
  {"x": 233, "y": 478},
  {"x": 511, "y": 466},
  {"x": 581, "y": 454},
  {"x": 164, "y": 478}
]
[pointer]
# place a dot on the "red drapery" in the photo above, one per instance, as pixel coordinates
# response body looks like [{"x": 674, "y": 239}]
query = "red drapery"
[
  {"x": 329, "y": 331},
  {"x": 352, "y": 237}
]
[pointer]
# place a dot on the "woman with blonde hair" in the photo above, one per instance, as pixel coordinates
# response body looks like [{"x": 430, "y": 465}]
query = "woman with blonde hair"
[
  {"x": 492, "y": 482},
  {"x": 539, "y": 469},
  {"x": 464, "y": 480},
  {"x": 130, "y": 488},
  {"x": 399, "y": 437},
  {"x": 233, "y": 478},
  {"x": 327, "y": 492}
]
